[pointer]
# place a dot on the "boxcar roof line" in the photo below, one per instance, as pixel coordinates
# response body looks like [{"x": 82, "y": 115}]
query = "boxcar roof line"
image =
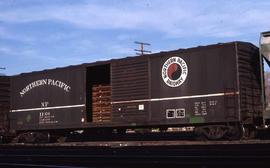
[{"x": 192, "y": 49}]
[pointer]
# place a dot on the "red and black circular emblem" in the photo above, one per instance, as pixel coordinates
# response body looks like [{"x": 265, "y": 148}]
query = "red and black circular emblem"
[{"x": 174, "y": 71}]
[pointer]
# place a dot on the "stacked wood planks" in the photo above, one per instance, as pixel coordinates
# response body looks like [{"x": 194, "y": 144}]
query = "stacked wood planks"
[{"x": 101, "y": 99}]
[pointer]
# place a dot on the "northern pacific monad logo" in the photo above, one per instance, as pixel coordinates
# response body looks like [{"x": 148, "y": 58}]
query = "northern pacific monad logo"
[{"x": 174, "y": 71}]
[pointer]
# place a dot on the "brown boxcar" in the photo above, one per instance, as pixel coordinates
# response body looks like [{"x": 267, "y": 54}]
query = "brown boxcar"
[{"x": 207, "y": 85}]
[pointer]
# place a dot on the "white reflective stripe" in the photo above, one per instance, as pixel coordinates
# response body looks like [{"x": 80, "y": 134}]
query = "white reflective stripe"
[
  {"x": 132, "y": 101},
  {"x": 48, "y": 108},
  {"x": 177, "y": 98}
]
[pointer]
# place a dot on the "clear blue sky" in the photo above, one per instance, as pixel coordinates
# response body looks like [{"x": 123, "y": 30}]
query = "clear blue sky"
[{"x": 42, "y": 34}]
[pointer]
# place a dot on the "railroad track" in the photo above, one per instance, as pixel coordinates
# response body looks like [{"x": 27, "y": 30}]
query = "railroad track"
[{"x": 138, "y": 154}]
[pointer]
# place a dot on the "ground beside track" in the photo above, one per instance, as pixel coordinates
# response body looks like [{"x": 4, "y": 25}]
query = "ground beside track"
[{"x": 245, "y": 153}]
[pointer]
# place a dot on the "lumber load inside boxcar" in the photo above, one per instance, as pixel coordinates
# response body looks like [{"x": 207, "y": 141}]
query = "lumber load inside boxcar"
[{"x": 101, "y": 108}]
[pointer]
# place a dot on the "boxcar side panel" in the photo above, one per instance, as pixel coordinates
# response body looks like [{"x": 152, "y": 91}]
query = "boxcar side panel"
[
  {"x": 195, "y": 85},
  {"x": 48, "y": 99},
  {"x": 130, "y": 81}
]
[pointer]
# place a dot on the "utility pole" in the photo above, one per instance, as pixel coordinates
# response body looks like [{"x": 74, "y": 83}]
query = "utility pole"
[{"x": 141, "y": 50}]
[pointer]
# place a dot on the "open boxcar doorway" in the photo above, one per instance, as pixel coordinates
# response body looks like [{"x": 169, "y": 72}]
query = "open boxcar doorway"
[{"x": 98, "y": 93}]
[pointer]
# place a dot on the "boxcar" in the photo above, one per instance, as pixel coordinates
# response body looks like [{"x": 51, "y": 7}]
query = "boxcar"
[
  {"x": 216, "y": 88},
  {"x": 4, "y": 104}
]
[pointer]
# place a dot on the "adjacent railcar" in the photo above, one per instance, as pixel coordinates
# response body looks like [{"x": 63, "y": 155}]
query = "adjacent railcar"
[
  {"x": 4, "y": 104},
  {"x": 216, "y": 88}
]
